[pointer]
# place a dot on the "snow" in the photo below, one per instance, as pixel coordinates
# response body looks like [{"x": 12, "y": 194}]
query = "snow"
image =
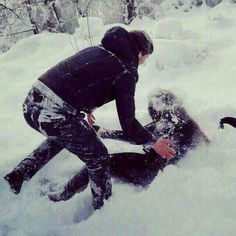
[
  {"x": 196, "y": 197},
  {"x": 94, "y": 30},
  {"x": 168, "y": 29}
]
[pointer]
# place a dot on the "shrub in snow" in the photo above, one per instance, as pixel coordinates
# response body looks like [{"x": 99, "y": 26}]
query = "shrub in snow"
[
  {"x": 212, "y": 3},
  {"x": 5, "y": 43},
  {"x": 150, "y": 8},
  {"x": 145, "y": 8},
  {"x": 66, "y": 13},
  {"x": 184, "y": 5},
  {"x": 111, "y": 11},
  {"x": 55, "y": 16},
  {"x": 158, "y": 12}
]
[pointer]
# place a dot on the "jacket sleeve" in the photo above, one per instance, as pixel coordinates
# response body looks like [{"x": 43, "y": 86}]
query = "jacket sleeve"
[
  {"x": 119, "y": 134},
  {"x": 124, "y": 87}
]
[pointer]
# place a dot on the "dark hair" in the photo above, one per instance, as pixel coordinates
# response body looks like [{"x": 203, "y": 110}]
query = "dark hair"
[
  {"x": 143, "y": 41},
  {"x": 165, "y": 105}
]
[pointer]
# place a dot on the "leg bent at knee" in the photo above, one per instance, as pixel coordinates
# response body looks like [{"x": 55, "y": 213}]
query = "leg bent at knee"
[{"x": 100, "y": 181}]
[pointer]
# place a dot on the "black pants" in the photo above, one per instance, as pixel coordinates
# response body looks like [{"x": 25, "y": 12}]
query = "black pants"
[
  {"x": 136, "y": 168},
  {"x": 70, "y": 131}
]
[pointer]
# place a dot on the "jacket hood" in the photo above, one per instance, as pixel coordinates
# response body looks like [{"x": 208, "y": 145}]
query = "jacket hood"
[{"x": 118, "y": 41}]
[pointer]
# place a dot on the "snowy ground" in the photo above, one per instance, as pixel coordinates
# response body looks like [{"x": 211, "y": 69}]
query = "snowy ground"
[{"x": 195, "y": 58}]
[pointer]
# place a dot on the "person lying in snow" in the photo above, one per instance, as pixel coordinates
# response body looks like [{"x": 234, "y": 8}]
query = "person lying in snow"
[
  {"x": 169, "y": 119},
  {"x": 228, "y": 120}
]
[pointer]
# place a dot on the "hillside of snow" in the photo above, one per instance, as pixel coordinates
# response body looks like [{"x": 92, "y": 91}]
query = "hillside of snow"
[{"x": 194, "y": 57}]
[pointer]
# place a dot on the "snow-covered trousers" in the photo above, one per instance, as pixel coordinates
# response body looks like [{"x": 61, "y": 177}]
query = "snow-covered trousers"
[
  {"x": 135, "y": 168},
  {"x": 67, "y": 129}
]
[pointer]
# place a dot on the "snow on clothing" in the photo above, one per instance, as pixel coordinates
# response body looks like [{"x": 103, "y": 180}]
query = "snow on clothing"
[
  {"x": 170, "y": 120},
  {"x": 70, "y": 131},
  {"x": 87, "y": 80},
  {"x": 100, "y": 74},
  {"x": 141, "y": 169},
  {"x": 135, "y": 168}
]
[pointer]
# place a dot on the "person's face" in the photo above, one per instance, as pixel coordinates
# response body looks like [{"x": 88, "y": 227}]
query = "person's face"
[{"x": 142, "y": 58}]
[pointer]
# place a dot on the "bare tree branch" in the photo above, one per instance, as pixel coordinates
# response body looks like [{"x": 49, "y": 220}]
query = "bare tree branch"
[{"x": 13, "y": 12}]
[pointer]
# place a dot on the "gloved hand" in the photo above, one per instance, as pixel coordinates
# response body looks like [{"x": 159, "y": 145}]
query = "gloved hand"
[{"x": 162, "y": 147}]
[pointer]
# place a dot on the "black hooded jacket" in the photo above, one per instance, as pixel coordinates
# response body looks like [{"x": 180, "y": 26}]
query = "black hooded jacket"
[{"x": 100, "y": 74}]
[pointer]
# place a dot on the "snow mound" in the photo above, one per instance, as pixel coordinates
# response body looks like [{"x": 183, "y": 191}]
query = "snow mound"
[
  {"x": 219, "y": 20},
  {"x": 172, "y": 29},
  {"x": 175, "y": 53},
  {"x": 168, "y": 29},
  {"x": 33, "y": 48}
]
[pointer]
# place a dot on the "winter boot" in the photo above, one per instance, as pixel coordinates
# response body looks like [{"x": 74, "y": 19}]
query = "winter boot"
[
  {"x": 76, "y": 184},
  {"x": 101, "y": 192},
  {"x": 63, "y": 196},
  {"x": 108, "y": 192},
  {"x": 15, "y": 180},
  {"x": 97, "y": 201}
]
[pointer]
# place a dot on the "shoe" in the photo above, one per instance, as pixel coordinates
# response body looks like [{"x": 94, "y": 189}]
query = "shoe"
[
  {"x": 97, "y": 203},
  {"x": 15, "y": 180},
  {"x": 108, "y": 189},
  {"x": 63, "y": 196}
]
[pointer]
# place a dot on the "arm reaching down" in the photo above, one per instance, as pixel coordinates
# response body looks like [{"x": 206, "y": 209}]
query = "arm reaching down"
[
  {"x": 124, "y": 87},
  {"x": 119, "y": 134},
  {"x": 161, "y": 146}
]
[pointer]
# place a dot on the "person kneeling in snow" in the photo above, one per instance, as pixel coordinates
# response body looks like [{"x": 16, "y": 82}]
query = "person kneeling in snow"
[
  {"x": 169, "y": 120},
  {"x": 56, "y": 104}
]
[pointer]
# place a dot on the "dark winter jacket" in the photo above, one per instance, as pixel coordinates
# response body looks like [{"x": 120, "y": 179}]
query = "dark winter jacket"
[{"x": 97, "y": 75}]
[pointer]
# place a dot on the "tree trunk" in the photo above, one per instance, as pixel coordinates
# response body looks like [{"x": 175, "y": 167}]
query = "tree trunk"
[
  {"x": 52, "y": 21},
  {"x": 66, "y": 12},
  {"x": 129, "y": 11},
  {"x": 31, "y": 18}
]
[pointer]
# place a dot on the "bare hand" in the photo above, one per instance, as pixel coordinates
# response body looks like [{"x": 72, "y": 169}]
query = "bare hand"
[
  {"x": 90, "y": 119},
  {"x": 161, "y": 146}
]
